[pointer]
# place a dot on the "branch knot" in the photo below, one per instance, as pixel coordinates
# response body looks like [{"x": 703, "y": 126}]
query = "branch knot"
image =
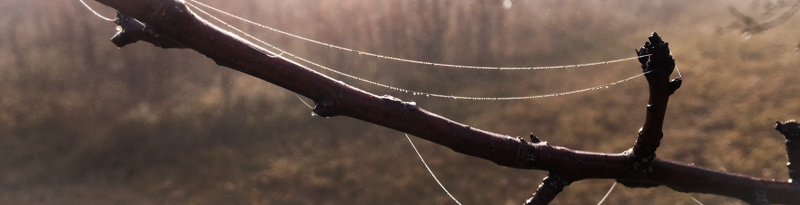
[{"x": 325, "y": 108}]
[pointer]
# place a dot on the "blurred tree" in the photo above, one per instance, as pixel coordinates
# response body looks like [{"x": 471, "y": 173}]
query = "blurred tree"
[{"x": 780, "y": 12}]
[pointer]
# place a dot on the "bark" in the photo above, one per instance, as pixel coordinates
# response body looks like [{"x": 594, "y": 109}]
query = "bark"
[
  {"x": 547, "y": 191},
  {"x": 170, "y": 23},
  {"x": 791, "y": 131}
]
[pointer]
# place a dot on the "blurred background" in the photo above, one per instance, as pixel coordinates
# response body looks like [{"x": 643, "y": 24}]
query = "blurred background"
[{"x": 85, "y": 122}]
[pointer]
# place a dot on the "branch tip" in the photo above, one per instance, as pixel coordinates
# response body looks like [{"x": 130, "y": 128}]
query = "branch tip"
[
  {"x": 130, "y": 30},
  {"x": 534, "y": 139},
  {"x": 791, "y": 132},
  {"x": 790, "y": 128},
  {"x": 660, "y": 61}
]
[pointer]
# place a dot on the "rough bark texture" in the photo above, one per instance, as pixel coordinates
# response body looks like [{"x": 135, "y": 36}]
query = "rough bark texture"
[
  {"x": 171, "y": 21},
  {"x": 547, "y": 191}
]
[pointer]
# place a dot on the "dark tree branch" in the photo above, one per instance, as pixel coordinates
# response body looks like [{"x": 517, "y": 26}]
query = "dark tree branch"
[
  {"x": 130, "y": 31},
  {"x": 547, "y": 191},
  {"x": 174, "y": 22},
  {"x": 657, "y": 67},
  {"x": 791, "y": 131}
]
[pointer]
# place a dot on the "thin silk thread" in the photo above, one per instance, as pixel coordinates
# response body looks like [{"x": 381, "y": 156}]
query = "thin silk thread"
[
  {"x": 607, "y": 193},
  {"x": 416, "y": 61},
  {"x": 429, "y": 170},
  {"x": 95, "y": 12},
  {"x": 282, "y": 52}
]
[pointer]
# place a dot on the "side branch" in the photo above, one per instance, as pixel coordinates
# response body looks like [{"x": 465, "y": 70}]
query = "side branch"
[
  {"x": 657, "y": 68},
  {"x": 173, "y": 21},
  {"x": 547, "y": 191}
]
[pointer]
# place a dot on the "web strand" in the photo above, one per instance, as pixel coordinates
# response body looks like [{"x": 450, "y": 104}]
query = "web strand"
[
  {"x": 695, "y": 200},
  {"x": 429, "y": 170},
  {"x": 282, "y": 52},
  {"x": 95, "y": 12},
  {"x": 607, "y": 193},
  {"x": 676, "y": 68},
  {"x": 415, "y": 61}
]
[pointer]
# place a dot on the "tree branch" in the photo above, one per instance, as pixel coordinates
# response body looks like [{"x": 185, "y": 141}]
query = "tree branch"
[
  {"x": 547, "y": 191},
  {"x": 791, "y": 131},
  {"x": 173, "y": 21},
  {"x": 657, "y": 68}
]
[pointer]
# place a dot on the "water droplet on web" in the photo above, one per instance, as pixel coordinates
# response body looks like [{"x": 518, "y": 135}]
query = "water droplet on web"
[
  {"x": 746, "y": 35},
  {"x": 606, "y": 86},
  {"x": 507, "y": 4}
]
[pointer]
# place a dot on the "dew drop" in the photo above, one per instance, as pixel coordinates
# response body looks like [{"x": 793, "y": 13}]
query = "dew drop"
[
  {"x": 746, "y": 35},
  {"x": 507, "y": 4}
]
